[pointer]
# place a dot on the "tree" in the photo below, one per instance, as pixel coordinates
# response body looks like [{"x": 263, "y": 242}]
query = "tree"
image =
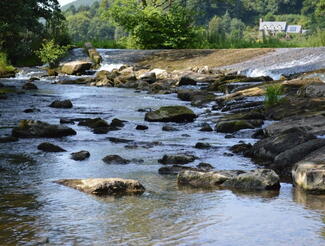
[
  {"x": 154, "y": 24},
  {"x": 22, "y": 25}
]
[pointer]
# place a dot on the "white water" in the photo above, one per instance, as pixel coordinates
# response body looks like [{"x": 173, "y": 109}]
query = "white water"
[
  {"x": 110, "y": 67},
  {"x": 283, "y": 62}
]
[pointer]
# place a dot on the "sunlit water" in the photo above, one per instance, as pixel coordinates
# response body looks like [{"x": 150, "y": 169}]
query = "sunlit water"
[{"x": 32, "y": 207}]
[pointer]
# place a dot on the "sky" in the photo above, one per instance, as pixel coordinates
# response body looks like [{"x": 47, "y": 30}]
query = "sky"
[{"x": 63, "y": 2}]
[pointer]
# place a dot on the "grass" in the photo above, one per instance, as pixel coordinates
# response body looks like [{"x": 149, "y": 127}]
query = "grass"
[{"x": 273, "y": 95}]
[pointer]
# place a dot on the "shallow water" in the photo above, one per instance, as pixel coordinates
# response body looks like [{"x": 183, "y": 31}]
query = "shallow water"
[{"x": 33, "y": 208}]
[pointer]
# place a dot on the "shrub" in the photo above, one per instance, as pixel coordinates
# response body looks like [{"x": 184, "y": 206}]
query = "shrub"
[
  {"x": 51, "y": 53},
  {"x": 4, "y": 66},
  {"x": 154, "y": 28},
  {"x": 273, "y": 95}
]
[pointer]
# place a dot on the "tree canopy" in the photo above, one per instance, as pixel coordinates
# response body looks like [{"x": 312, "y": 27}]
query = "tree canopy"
[{"x": 24, "y": 23}]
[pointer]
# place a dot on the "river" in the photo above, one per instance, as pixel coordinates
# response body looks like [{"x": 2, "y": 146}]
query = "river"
[{"x": 34, "y": 210}]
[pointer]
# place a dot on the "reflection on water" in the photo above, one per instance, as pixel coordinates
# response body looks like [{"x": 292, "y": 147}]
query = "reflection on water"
[
  {"x": 32, "y": 207},
  {"x": 310, "y": 201}
]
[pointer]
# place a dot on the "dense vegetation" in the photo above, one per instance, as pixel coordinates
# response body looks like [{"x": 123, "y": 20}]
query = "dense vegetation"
[
  {"x": 194, "y": 23},
  {"x": 25, "y": 24},
  {"x": 29, "y": 26}
]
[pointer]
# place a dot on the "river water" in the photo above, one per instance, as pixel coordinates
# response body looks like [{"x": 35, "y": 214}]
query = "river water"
[{"x": 34, "y": 210}]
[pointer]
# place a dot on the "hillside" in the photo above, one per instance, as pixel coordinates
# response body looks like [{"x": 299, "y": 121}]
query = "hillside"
[{"x": 78, "y": 3}]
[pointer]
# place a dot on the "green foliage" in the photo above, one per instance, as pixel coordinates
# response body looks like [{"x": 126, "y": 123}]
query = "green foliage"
[
  {"x": 4, "y": 66},
  {"x": 152, "y": 27},
  {"x": 85, "y": 24},
  {"x": 23, "y": 26},
  {"x": 315, "y": 40},
  {"x": 273, "y": 95},
  {"x": 51, "y": 53}
]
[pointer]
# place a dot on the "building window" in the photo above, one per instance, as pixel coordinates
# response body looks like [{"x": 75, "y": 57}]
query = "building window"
[{"x": 293, "y": 29}]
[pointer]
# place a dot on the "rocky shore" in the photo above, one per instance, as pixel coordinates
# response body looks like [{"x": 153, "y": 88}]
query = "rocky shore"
[{"x": 289, "y": 135}]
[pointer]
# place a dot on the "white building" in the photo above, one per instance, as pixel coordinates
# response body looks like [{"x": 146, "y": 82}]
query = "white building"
[{"x": 271, "y": 28}]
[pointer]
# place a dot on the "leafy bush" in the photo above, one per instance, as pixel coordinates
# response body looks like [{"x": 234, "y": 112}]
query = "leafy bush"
[
  {"x": 51, "y": 53},
  {"x": 273, "y": 95},
  {"x": 154, "y": 28},
  {"x": 4, "y": 66}
]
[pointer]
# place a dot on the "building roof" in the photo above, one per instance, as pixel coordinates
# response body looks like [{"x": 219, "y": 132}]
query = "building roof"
[
  {"x": 273, "y": 25},
  {"x": 294, "y": 29}
]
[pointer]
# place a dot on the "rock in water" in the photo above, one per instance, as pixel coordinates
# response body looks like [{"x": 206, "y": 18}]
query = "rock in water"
[
  {"x": 149, "y": 77},
  {"x": 200, "y": 145},
  {"x": 309, "y": 176},
  {"x": 115, "y": 159},
  {"x": 48, "y": 147},
  {"x": 237, "y": 125},
  {"x": 76, "y": 67},
  {"x": 186, "y": 80},
  {"x": 61, "y": 104},
  {"x": 141, "y": 127},
  {"x": 206, "y": 128},
  {"x": 177, "y": 114},
  {"x": 105, "y": 187},
  {"x": 39, "y": 129},
  {"x": 8, "y": 139},
  {"x": 259, "y": 179},
  {"x": 117, "y": 123},
  {"x": 29, "y": 86},
  {"x": 80, "y": 156},
  {"x": 177, "y": 159}
]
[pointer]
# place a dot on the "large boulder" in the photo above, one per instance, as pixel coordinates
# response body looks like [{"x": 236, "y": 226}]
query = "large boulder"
[
  {"x": 149, "y": 77},
  {"x": 309, "y": 173},
  {"x": 267, "y": 149},
  {"x": 281, "y": 151},
  {"x": 61, "y": 104},
  {"x": 171, "y": 114},
  {"x": 313, "y": 90},
  {"x": 177, "y": 159},
  {"x": 232, "y": 126},
  {"x": 39, "y": 129},
  {"x": 314, "y": 124},
  {"x": 105, "y": 187},
  {"x": 259, "y": 179},
  {"x": 76, "y": 67},
  {"x": 309, "y": 176}
]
